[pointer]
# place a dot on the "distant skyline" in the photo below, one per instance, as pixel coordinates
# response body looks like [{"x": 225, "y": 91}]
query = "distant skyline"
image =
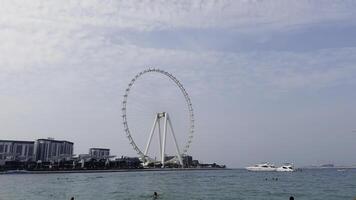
[{"x": 269, "y": 80}]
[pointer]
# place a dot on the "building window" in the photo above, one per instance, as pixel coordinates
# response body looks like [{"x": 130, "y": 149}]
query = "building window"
[
  {"x": 30, "y": 150},
  {"x": 26, "y": 149},
  {"x": 19, "y": 149},
  {"x": 1, "y": 148},
  {"x": 61, "y": 149}
]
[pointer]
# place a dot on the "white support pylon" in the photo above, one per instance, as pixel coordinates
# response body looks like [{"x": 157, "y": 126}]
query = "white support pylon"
[
  {"x": 163, "y": 137},
  {"x": 151, "y": 134},
  {"x": 164, "y": 140},
  {"x": 160, "y": 137},
  {"x": 175, "y": 141}
]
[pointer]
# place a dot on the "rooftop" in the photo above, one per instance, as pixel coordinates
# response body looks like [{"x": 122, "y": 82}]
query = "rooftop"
[
  {"x": 53, "y": 140},
  {"x": 18, "y": 141},
  {"x": 103, "y": 149}
]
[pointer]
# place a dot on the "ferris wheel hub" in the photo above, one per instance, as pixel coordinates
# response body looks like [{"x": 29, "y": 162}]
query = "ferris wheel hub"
[{"x": 161, "y": 114}]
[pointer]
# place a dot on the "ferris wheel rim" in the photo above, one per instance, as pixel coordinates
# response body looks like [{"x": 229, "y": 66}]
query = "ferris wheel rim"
[{"x": 188, "y": 103}]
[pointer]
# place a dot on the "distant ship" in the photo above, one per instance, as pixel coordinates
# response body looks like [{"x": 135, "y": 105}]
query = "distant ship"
[
  {"x": 327, "y": 166},
  {"x": 264, "y": 167}
]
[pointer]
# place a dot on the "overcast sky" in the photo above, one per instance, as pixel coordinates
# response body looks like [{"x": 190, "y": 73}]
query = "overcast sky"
[{"x": 269, "y": 80}]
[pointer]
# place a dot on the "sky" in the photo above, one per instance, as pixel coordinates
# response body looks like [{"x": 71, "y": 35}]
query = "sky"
[{"x": 269, "y": 80}]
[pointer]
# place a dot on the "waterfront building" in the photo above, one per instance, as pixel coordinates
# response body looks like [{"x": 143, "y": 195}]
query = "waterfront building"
[
  {"x": 15, "y": 150},
  {"x": 50, "y": 150},
  {"x": 188, "y": 161},
  {"x": 99, "y": 153},
  {"x": 127, "y": 162},
  {"x": 195, "y": 163}
]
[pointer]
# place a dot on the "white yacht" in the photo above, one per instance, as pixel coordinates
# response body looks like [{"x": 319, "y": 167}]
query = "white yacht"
[
  {"x": 285, "y": 168},
  {"x": 264, "y": 167}
]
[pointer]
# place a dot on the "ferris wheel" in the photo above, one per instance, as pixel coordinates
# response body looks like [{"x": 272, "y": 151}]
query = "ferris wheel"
[{"x": 161, "y": 118}]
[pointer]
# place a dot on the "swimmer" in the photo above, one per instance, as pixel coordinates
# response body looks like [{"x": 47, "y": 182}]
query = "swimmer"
[
  {"x": 72, "y": 198},
  {"x": 155, "y": 195},
  {"x": 291, "y": 198}
]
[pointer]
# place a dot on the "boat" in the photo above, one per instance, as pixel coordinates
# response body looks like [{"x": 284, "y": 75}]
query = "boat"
[
  {"x": 287, "y": 167},
  {"x": 264, "y": 167}
]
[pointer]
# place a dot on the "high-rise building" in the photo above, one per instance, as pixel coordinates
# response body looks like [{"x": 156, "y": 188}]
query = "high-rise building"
[
  {"x": 13, "y": 150},
  {"x": 99, "y": 153},
  {"x": 47, "y": 150}
]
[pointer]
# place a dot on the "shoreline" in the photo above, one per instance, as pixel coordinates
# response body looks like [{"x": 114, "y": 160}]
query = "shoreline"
[
  {"x": 106, "y": 171},
  {"x": 9, "y": 172}
]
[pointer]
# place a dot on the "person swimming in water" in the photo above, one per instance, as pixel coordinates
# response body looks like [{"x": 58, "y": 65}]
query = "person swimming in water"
[
  {"x": 291, "y": 198},
  {"x": 155, "y": 195}
]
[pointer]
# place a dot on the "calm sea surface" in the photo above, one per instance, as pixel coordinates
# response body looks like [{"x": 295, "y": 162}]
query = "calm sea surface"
[{"x": 326, "y": 184}]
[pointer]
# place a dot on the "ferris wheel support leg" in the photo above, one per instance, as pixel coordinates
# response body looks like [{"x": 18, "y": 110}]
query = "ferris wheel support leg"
[
  {"x": 151, "y": 134},
  {"x": 164, "y": 139},
  {"x": 175, "y": 141},
  {"x": 159, "y": 136}
]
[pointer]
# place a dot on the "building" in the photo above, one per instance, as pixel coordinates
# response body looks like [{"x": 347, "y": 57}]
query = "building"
[
  {"x": 188, "y": 161},
  {"x": 99, "y": 153},
  {"x": 13, "y": 150},
  {"x": 127, "y": 163},
  {"x": 50, "y": 150}
]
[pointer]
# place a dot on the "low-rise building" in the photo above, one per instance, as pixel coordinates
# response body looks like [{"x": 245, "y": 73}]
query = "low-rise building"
[
  {"x": 16, "y": 150},
  {"x": 127, "y": 162},
  {"x": 188, "y": 161},
  {"x": 50, "y": 150},
  {"x": 99, "y": 153}
]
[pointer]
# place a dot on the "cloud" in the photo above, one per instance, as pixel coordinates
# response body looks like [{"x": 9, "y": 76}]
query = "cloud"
[
  {"x": 158, "y": 15},
  {"x": 64, "y": 65},
  {"x": 90, "y": 63}
]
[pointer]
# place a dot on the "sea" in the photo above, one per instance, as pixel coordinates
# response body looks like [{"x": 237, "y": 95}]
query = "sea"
[{"x": 307, "y": 184}]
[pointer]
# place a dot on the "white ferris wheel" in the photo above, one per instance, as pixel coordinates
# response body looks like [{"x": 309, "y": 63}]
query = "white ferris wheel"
[{"x": 162, "y": 126}]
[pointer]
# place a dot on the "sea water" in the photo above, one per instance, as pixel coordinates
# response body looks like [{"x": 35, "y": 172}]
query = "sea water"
[{"x": 312, "y": 184}]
